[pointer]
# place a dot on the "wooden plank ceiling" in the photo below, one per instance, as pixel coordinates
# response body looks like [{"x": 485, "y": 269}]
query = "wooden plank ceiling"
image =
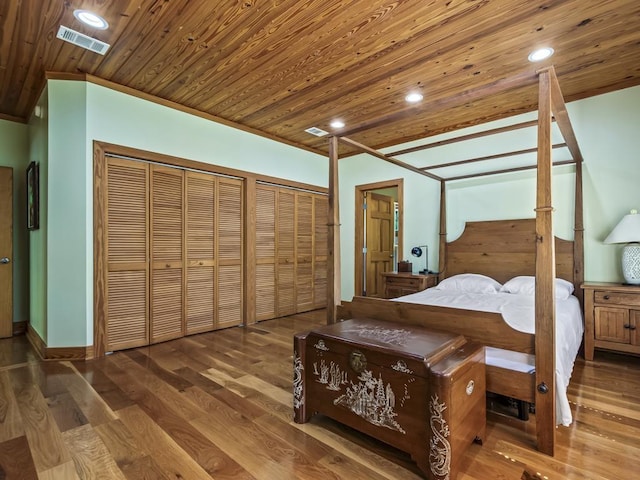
[{"x": 281, "y": 66}]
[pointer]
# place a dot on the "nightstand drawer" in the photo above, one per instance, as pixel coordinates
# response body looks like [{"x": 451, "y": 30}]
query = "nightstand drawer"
[
  {"x": 605, "y": 297},
  {"x": 404, "y": 282}
]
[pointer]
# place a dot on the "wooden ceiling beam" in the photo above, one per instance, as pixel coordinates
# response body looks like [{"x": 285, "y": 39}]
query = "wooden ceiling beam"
[
  {"x": 462, "y": 138},
  {"x": 506, "y": 170},
  {"x": 387, "y": 158},
  {"x": 489, "y": 157},
  {"x": 559, "y": 110}
]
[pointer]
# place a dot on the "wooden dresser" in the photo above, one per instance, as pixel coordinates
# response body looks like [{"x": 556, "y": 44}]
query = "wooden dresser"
[
  {"x": 404, "y": 283},
  {"x": 611, "y": 318},
  {"x": 419, "y": 390}
]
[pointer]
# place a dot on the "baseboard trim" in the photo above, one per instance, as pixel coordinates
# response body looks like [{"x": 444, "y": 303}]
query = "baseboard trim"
[
  {"x": 57, "y": 353},
  {"x": 19, "y": 328}
]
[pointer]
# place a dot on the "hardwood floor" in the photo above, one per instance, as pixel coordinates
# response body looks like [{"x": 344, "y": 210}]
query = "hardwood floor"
[{"x": 219, "y": 405}]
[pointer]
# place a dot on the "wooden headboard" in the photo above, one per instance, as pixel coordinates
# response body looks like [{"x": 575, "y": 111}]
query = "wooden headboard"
[{"x": 502, "y": 249}]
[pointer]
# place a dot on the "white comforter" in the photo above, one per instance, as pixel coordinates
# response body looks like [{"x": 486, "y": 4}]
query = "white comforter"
[{"x": 518, "y": 312}]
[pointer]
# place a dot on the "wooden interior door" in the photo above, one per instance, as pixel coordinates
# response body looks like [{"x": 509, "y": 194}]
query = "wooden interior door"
[
  {"x": 127, "y": 258},
  {"x": 229, "y": 259},
  {"x": 200, "y": 222},
  {"x": 304, "y": 252},
  {"x": 286, "y": 287},
  {"x": 167, "y": 242},
  {"x": 320, "y": 249},
  {"x": 6, "y": 252},
  {"x": 379, "y": 238},
  {"x": 266, "y": 198}
]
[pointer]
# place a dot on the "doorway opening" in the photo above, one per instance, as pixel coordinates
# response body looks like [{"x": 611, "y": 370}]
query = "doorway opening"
[{"x": 378, "y": 234}]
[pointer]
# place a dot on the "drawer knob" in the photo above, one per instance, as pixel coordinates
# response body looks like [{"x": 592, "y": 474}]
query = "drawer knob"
[
  {"x": 542, "y": 388},
  {"x": 606, "y": 297}
]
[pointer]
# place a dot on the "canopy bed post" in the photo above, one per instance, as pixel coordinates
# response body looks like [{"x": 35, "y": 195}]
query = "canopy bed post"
[
  {"x": 333, "y": 223},
  {"x": 545, "y": 277},
  {"x": 564, "y": 124},
  {"x": 578, "y": 238},
  {"x": 443, "y": 229}
]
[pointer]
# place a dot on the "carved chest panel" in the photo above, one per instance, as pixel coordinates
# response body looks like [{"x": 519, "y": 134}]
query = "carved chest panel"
[{"x": 419, "y": 390}]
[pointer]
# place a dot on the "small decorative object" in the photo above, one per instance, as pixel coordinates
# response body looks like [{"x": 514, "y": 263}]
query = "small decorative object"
[
  {"x": 417, "y": 252},
  {"x": 628, "y": 231},
  {"x": 33, "y": 196},
  {"x": 405, "y": 266}
]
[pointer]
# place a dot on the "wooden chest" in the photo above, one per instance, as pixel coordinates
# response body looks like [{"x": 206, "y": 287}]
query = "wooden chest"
[{"x": 419, "y": 390}]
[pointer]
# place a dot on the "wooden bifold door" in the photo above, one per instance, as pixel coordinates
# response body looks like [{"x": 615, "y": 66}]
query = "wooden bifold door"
[
  {"x": 173, "y": 252},
  {"x": 291, "y": 251}
]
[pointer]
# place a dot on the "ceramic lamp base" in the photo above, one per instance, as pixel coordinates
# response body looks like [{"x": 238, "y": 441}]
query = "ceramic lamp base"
[{"x": 631, "y": 263}]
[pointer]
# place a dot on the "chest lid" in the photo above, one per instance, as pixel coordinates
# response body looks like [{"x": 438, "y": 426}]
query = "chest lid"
[{"x": 409, "y": 341}]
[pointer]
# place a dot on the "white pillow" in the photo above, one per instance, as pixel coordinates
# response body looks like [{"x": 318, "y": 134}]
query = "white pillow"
[
  {"x": 526, "y": 285},
  {"x": 470, "y": 283}
]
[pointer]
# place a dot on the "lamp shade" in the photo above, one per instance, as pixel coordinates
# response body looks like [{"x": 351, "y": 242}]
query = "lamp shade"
[{"x": 627, "y": 230}]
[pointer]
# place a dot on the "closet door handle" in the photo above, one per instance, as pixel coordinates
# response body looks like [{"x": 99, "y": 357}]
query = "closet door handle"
[{"x": 4, "y": 260}]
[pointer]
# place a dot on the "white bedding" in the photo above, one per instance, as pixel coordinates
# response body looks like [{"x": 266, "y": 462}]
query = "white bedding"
[{"x": 518, "y": 312}]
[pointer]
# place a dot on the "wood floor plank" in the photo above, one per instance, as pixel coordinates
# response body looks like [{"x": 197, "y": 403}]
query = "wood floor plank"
[
  {"x": 149, "y": 362},
  {"x": 92, "y": 405},
  {"x": 10, "y": 419},
  {"x": 345, "y": 467},
  {"x": 66, "y": 471},
  {"x": 15, "y": 459},
  {"x": 164, "y": 450},
  {"x": 237, "y": 436},
  {"x": 91, "y": 457},
  {"x": 142, "y": 383},
  {"x": 111, "y": 393},
  {"x": 66, "y": 412},
  {"x": 123, "y": 447},
  {"x": 45, "y": 441},
  {"x": 145, "y": 468}
]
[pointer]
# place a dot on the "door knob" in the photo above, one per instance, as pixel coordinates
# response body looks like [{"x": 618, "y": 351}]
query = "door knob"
[{"x": 4, "y": 260}]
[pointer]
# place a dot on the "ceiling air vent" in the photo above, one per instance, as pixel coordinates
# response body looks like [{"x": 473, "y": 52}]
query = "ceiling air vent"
[
  {"x": 318, "y": 132},
  {"x": 81, "y": 40}
]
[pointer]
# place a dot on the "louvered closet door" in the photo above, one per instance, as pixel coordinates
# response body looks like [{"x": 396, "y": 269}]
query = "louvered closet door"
[
  {"x": 230, "y": 242},
  {"x": 286, "y": 251},
  {"x": 320, "y": 247},
  {"x": 167, "y": 215},
  {"x": 127, "y": 289},
  {"x": 200, "y": 242},
  {"x": 266, "y": 252},
  {"x": 304, "y": 252}
]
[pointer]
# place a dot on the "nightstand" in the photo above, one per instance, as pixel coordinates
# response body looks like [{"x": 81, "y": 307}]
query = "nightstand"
[
  {"x": 404, "y": 283},
  {"x": 611, "y": 318}
]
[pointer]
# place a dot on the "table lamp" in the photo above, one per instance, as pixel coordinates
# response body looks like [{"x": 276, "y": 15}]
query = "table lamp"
[
  {"x": 628, "y": 231},
  {"x": 417, "y": 252}
]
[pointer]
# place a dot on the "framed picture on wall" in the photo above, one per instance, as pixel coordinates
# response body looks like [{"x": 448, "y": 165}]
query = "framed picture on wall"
[{"x": 33, "y": 200}]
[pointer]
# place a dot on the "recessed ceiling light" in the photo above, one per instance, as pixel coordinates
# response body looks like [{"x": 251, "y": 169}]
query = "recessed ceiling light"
[
  {"x": 414, "y": 97},
  {"x": 91, "y": 19},
  {"x": 337, "y": 124},
  {"x": 540, "y": 54}
]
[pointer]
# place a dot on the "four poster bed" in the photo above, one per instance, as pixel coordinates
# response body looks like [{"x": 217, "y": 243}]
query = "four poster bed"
[{"x": 533, "y": 366}]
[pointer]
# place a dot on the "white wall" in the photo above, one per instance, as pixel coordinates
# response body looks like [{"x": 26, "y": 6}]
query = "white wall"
[
  {"x": 605, "y": 127},
  {"x": 81, "y": 113}
]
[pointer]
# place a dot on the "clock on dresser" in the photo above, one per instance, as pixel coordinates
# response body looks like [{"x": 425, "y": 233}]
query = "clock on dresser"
[{"x": 611, "y": 318}]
